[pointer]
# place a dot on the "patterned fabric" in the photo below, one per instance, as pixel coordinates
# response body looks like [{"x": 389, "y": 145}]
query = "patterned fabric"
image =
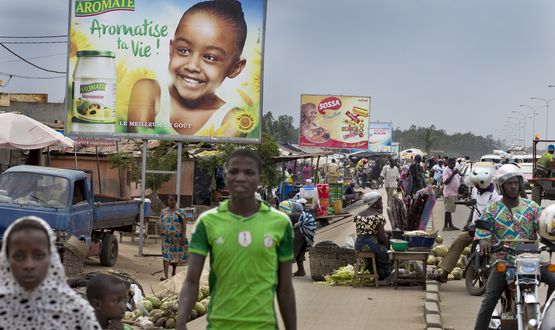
[
  {"x": 518, "y": 223},
  {"x": 307, "y": 227},
  {"x": 172, "y": 234},
  {"x": 51, "y": 305},
  {"x": 368, "y": 224},
  {"x": 373, "y": 244}
]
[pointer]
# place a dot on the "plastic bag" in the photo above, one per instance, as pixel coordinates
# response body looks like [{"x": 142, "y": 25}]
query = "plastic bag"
[{"x": 350, "y": 241}]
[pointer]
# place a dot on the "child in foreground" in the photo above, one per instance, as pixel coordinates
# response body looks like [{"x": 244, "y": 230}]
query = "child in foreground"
[{"x": 108, "y": 296}]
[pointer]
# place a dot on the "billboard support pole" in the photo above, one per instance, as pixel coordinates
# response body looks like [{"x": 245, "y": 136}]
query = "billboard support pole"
[
  {"x": 98, "y": 169},
  {"x": 178, "y": 174},
  {"x": 142, "y": 209}
]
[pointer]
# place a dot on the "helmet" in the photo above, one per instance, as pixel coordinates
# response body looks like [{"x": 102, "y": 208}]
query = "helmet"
[
  {"x": 547, "y": 223},
  {"x": 481, "y": 177},
  {"x": 286, "y": 207},
  {"x": 550, "y": 147},
  {"x": 506, "y": 172}
]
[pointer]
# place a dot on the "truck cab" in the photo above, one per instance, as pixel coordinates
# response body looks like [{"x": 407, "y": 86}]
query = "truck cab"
[{"x": 65, "y": 200}]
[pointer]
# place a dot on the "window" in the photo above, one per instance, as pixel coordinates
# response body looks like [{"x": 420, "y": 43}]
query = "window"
[{"x": 79, "y": 192}]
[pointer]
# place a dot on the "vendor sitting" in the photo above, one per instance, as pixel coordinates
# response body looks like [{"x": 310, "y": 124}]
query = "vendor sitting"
[
  {"x": 371, "y": 233},
  {"x": 350, "y": 195}
]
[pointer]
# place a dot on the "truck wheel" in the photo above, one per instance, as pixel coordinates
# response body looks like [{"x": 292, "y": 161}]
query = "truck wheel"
[
  {"x": 109, "y": 251},
  {"x": 537, "y": 194}
]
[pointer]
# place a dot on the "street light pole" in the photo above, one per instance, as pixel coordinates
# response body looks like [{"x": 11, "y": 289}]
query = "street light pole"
[
  {"x": 524, "y": 116},
  {"x": 534, "y": 113},
  {"x": 547, "y": 112}
]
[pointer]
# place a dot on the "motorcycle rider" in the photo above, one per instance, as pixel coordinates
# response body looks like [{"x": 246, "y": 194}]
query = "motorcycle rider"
[
  {"x": 512, "y": 218},
  {"x": 483, "y": 193}
]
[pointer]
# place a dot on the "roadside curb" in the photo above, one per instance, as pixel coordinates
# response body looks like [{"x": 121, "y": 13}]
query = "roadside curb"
[{"x": 432, "y": 313}]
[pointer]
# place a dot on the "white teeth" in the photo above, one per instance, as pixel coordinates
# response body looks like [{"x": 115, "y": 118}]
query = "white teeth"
[{"x": 191, "y": 81}]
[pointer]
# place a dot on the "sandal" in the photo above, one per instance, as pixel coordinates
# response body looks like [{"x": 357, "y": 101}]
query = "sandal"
[{"x": 162, "y": 279}]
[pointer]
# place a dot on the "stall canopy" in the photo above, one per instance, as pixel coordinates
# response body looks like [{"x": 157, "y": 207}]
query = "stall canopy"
[{"x": 22, "y": 132}]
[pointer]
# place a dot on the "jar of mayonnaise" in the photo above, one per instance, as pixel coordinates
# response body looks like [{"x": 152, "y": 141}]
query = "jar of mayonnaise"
[{"x": 94, "y": 92}]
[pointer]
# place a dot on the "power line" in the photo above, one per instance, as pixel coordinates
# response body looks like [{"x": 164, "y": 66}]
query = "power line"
[
  {"x": 29, "y": 77},
  {"x": 33, "y": 42},
  {"x": 24, "y": 60},
  {"x": 35, "y": 57},
  {"x": 33, "y": 37}
]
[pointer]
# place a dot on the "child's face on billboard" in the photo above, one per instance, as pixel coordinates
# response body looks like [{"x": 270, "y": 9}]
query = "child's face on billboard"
[{"x": 203, "y": 53}]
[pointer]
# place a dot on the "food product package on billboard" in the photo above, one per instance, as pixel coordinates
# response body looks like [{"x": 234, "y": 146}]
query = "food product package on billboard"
[
  {"x": 166, "y": 69},
  {"x": 380, "y": 137},
  {"x": 334, "y": 121}
]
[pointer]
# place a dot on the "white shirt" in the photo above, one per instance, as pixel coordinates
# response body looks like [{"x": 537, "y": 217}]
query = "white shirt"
[
  {"x": 483, "y": 200},
  {"x": 390, "y": 175}
]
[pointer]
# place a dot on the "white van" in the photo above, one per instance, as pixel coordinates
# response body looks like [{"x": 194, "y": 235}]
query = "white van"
[{"x": 492, "y": 158}]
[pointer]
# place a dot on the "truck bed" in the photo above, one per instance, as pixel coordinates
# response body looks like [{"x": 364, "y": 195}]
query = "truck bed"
[{"x": 115, "y": 213}]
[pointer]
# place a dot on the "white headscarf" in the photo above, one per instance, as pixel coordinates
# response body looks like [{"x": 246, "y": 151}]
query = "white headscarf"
[
  {"x": 51, "y": 305},
  {"x": 371, "y": 198}
]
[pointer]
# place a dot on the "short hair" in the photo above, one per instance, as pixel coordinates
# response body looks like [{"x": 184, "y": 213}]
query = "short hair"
[
  {"x": 230, "y": 11},
  {"x": 27, "y": 224},
  {"x": 99, "y": 286},
  {"x": 246, "y": 153}
]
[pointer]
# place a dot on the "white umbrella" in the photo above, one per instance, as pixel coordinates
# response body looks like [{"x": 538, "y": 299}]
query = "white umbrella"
[{"x": 18, "y": 131}]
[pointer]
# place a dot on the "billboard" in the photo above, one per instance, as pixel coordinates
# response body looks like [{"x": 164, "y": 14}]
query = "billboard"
[
  {"x": 380, "y": 135},
  {"x": 334, "y": 121},
  {"x": 395, "y": 148},
  {"x": 166, "y": 69}
]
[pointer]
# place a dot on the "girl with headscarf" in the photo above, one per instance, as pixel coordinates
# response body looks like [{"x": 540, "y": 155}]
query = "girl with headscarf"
[
  {"x": 371, "y": 233},
  {"x": 33, "y": 290}
]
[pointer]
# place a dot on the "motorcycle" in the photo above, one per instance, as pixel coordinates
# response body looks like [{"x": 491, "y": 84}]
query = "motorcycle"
[
  {"x": 376, "y": 184},
  {"x": 477, "y": 267},
  {"x": 520, "y": 303}
]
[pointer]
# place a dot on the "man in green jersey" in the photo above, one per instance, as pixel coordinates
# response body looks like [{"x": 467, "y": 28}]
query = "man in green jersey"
[{"x": 251, "y": 249}]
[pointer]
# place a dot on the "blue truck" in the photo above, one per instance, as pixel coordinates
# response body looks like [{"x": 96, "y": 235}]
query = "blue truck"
[{"x": 65, "y": 199}]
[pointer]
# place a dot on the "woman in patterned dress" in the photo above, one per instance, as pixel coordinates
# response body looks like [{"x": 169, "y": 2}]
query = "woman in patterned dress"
[
  {"x": 174, "y": 238},
  {"x": 371, "y": 233}
]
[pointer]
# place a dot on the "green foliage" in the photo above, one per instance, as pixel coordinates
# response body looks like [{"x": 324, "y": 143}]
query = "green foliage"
[
  {"x": 266, "y": 150},
  {"x": 281, "y": 128},
  {"x": 436, "y": 141},
  {"x": 163, "y": 157}
]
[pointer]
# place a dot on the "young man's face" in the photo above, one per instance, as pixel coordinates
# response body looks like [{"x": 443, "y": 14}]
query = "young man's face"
[
  {"x": 511, "y": 188},
  {"x": 29, "y": 257},
  {"x": 114, "y": 303},
  {"x": 451, "y": 164},
  {"x": 242, "y": 177},
  {"x": 203, "y": 53}
]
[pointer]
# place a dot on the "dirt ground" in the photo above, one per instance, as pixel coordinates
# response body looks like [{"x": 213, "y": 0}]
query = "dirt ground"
[{"x": 147, "y": 270}]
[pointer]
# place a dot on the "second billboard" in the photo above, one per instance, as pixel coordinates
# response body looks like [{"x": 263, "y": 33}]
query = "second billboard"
[{"x": 334, "y": 121}]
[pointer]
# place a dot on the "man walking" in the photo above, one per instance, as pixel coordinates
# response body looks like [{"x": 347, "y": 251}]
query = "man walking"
[
  {"x": 451, "y": 182},
  {"x": 391, "y": 176},
  {"x": 251, "y": 249}
]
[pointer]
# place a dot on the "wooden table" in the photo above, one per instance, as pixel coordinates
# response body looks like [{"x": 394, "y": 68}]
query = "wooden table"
[{"x": 418, "y": 255}]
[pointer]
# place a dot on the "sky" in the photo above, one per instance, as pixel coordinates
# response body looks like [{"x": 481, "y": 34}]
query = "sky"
[{"x": 461, "y": 65}]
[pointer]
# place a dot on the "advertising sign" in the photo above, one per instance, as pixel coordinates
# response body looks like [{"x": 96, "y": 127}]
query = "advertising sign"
[
  {"x": 334, "y": 121},
  {"x": 166, "y": 69},
  {"x": 380, "y": 137}
]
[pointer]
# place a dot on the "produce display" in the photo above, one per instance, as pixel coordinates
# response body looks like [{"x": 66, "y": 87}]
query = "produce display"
[
  {"x": 438, "y": 253},
  {"x": 344, "y": 276},
  {"x": 160, "y": 311}
]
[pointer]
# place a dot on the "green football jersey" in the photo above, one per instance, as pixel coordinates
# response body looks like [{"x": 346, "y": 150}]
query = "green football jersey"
[{"x": 245, "y": 254}]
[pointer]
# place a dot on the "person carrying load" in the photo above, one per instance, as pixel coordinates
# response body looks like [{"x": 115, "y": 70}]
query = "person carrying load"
[{"x": 544, "y": 163}]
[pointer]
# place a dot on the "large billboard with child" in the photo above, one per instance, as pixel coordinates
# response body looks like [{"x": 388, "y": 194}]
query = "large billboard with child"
[
  {"x": 331, "y": 121},
  {"x": 167, "y": 69}
]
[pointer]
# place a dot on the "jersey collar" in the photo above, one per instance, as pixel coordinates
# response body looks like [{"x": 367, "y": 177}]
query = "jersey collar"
[{"x": 224, "y": 206}]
